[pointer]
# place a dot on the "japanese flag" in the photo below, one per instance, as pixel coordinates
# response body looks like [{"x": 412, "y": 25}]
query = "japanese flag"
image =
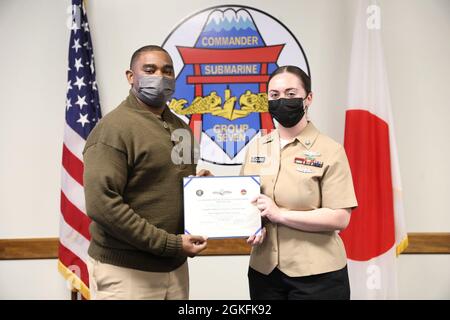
[{"x": 376, "y": 234}]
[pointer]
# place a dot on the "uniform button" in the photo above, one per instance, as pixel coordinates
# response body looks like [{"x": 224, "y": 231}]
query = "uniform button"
[
  {"x": 274, "y": 249},
  {"x": 307, "y": 142}
]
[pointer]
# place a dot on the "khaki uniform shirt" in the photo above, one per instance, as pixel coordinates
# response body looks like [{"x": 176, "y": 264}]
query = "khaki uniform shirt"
[{"x": 308, "y": 173}]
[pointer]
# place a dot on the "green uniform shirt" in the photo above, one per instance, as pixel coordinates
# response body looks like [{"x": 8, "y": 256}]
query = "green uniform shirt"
[{"x": 133, "y": 188}]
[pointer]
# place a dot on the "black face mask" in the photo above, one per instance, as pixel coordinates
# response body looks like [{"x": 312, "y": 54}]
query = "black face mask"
[{"x": 288, "y": 112}]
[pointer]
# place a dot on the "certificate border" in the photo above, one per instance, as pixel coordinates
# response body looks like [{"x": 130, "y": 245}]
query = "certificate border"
[
  {"x": 189, "y": 179},
  {"x": 220, "y": 177}
]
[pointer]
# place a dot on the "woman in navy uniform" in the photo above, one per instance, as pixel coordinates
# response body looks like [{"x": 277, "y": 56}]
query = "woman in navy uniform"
[{"x": 306, "y": 198}]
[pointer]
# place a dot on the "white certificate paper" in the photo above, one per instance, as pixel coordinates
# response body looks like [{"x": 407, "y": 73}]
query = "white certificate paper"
[{"x": 220, "y": 207}]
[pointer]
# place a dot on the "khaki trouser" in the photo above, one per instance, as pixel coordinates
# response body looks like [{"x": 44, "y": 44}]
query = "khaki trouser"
[{"x": 109, "y": 282}]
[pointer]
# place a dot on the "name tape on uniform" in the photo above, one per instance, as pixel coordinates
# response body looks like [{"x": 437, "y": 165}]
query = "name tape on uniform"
[{"x": 258, "y": 159}]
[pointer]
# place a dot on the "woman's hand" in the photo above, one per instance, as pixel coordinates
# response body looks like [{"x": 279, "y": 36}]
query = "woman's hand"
[
  {"x": 268, "y": 208},
  {"x": 256, "y": 240}
]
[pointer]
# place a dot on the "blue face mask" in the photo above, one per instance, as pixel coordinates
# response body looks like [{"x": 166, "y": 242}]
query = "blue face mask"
[{"x": 155, "y": 91}]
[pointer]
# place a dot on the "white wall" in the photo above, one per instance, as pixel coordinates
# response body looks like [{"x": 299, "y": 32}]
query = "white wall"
[{"x": 32, "y": 90}]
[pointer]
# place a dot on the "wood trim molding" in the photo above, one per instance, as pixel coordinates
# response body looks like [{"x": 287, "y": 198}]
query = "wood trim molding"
[
  {"x": 47, "y": 248},
  {"x": 39, "y": 248},
  {"x": 428, "y": 243}
]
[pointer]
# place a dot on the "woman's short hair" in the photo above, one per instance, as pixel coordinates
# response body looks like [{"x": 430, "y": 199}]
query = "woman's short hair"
[{"x": 301, "y": 75}]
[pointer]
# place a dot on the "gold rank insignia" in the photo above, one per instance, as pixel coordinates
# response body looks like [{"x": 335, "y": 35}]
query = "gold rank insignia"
[{"x": 309, "y": 162}]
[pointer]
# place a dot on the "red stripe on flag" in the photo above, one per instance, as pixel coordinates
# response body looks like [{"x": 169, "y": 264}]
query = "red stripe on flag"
[
  {"x": 74, "y": 217},
  {"x": 73, "y": 165},
  {"x": 266, "y": 122},
  {"x": 73, "y": 263},
  {"x": 371, "y": 230}
]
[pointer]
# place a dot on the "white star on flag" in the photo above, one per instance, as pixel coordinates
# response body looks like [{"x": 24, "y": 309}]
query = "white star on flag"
[
  {"x": 79, "y": 83},
  {"x": 81, "y": 102},
  {"x": 92, "y": 66},
  {"x": 78, "y": 64},
  {"x": 83, "y": 119},
  {"x": 77, "y": 45},
  {"x": 69, "y": 85},
  {"x": 68, "y": 104}
]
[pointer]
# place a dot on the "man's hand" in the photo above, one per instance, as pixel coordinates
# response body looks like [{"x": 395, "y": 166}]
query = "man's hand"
[
  {"x": 204, "y": 173},
  {"x": 256, "y": 240},
  {"x": 193, "y": 245}
]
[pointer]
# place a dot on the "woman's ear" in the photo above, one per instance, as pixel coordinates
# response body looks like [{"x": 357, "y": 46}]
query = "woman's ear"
[{"x": 309, "y": 99}]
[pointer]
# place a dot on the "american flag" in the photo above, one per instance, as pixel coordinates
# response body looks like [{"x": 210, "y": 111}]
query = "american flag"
[{"x": 82, "y": 113}]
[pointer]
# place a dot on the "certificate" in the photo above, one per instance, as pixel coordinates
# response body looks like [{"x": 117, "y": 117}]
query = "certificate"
[{"x": 220, "y": 207}]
